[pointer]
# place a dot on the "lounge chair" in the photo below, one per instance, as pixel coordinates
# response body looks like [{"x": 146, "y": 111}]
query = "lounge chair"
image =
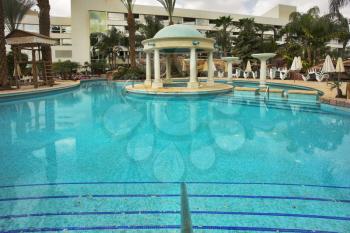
[
  {"x": 249, "y": 74},
  {"x": 320, "y": 77},
  {"x": 272, "y": 73},
  {"x": 238, "y": 73},
  {"x": 305, "y": 78},
  {"x": 283, "y": 74}
]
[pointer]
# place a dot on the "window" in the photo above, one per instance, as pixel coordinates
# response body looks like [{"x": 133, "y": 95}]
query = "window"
[
  {"x": 63, "y": 53},
  {"x": 58, "y": 41},
  {"x": 66, "y": 41},
  {"x": 116, "y": 16},
  {"x": 177, "y": 20},
  {"x": 55, "y": 29},
  {"x": 98, "y": 21},
  {"x": 66, "y": 29},
  {"x": 31, "y": 27},
  {"x": 162, "y": 17},
  {"x": 189, "y": 20},
  {"x": 136, "y": 16},
  {"x": 202, "y": 22},
  {"x": 212, "y": 21}
]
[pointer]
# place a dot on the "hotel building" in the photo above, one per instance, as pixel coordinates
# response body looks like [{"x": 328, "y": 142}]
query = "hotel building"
[{"x": 88, "y": 16}]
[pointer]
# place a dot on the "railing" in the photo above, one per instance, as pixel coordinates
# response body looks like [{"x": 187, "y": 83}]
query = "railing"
[{"x": 267, "y": 94}]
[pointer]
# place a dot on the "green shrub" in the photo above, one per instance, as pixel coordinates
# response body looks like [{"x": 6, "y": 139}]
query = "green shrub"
[
  {"x": 124, "y": 73},
  {"x": 98, "y": 66},
  {"x": 11, "y": 66},
  {"x": 65, "y": 68}
]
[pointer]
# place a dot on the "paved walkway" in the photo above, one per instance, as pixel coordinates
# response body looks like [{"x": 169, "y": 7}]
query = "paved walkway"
[{"x": 62, "y": 84}]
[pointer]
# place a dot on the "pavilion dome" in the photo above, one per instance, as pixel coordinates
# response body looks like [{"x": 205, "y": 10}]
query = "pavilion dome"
[{"x": 178, "y": 31}]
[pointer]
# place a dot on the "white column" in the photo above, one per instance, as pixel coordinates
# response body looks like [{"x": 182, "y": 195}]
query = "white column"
[
  {"x": 262, "y": 72},
  {"x": 229, "y": 72},
  {"x": 168, "y": 69},
  {"x": 193, "y": 70},
  {"x": 148, "y": 81},
  {"x": 210, "y": 80},
  {"x": 157, "y": 81}
]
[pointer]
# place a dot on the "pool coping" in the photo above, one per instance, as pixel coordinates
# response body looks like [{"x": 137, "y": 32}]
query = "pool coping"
[
  {"x": 340, "y": 104},
  {"x": 60, "y": 86}
]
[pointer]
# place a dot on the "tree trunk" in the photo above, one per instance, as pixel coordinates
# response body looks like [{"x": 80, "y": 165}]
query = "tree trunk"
[
  {"x": 3, "y": 60},
  {"x": 44, "y": 28},
  {"x": 171, "y": 22},
  {"x": 132, "y": 32},
  {"x": 309, "y": 55}
]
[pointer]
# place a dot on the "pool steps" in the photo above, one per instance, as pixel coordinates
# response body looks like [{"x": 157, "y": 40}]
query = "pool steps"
[{"x": 260, "y": 101}]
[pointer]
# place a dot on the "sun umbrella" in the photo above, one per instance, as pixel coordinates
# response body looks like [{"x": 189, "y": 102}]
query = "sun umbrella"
[
  {"x": 17, "y": 71},
  {"x": 249, "y": 67},
  {"x": 328, "y": 65},
  {"x": 294, "y": 66},
  {"x": 214, "y": 67},
  {"x": 184, "y": 67},
  {"x": 340, "y": 66},
  {"x": 300, "y": 63},
  {"x": 205, "y": 66}
]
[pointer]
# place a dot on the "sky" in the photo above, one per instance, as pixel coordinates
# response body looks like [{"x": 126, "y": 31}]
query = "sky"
[{"x": 250, "y": 7}]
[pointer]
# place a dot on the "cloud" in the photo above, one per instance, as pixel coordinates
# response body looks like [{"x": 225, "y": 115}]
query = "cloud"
[
  {"x": 253, "y": 7},
  {"x": 60, "y": 7}
]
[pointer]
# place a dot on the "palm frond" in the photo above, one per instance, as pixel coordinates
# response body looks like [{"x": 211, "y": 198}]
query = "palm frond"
[
  {"x": 334, "y": 5},
  {"x": 14, "y": 12},
  {"x": 129, "y": 4}
]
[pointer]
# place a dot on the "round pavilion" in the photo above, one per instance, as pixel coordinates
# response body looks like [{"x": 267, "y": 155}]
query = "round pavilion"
[{"x": 177, "y": 39}]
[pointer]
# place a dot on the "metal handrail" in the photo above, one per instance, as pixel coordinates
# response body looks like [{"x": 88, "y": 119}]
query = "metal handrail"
[{"x": 267, "y": 93}]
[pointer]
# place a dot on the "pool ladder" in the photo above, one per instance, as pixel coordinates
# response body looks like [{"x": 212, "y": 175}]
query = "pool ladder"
[{"x": 267, "y": 94}]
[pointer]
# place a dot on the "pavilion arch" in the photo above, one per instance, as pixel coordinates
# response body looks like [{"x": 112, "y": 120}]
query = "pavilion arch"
[{"x": 178, "y": 39}]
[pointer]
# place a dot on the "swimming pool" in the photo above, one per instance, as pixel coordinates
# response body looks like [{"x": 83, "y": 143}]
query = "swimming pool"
[{"x": 94, "y": 159}]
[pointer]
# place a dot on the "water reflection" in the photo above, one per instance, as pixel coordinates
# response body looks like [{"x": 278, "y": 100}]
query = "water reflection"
[{"x": 94, "y": 134}]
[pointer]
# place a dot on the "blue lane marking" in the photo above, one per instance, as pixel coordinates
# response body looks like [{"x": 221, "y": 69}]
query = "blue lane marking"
[
  {"x": 156, "y": 212},
  {"x": 264, "y": 229},
  {"x": 212, "y": 183},
  {"x": 176, "y": 195},
  {"x": 227, "y": 228}
]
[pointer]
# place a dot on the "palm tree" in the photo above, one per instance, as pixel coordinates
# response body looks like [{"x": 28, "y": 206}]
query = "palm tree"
[
  {"x": 169, "y": 6},
  {"x": 224, "y": 34},
  {"x": 14, "y": 11},
  {"x": 248, "y": 41},
  {"x": 311, "y": 31},
  {"x": 334, "y": 5},
  {"x": 129, "y": 5},
  {"x": 44, "y": 28},
  {"x": 150, "y": 29},
  {"x": 3, "y": 60},
  {"x": 108, "y": 45},
  {"x": 342, "y": 29}
]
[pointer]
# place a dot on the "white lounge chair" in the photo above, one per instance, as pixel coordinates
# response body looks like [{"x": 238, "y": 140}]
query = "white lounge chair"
[
  {"x": 249, "y": 74},
  {"x": 272, "y": 73},
  {"x": 317, "y": 76},
  {"x": 305, "y": 78},
  {"x": 281, "y": 74},
  {"x": 320, "y": 77},
  {"x": 239, "y": 73}
]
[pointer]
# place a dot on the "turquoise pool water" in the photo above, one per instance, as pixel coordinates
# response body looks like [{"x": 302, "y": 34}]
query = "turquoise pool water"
[{"x": 96, "y": 160}]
